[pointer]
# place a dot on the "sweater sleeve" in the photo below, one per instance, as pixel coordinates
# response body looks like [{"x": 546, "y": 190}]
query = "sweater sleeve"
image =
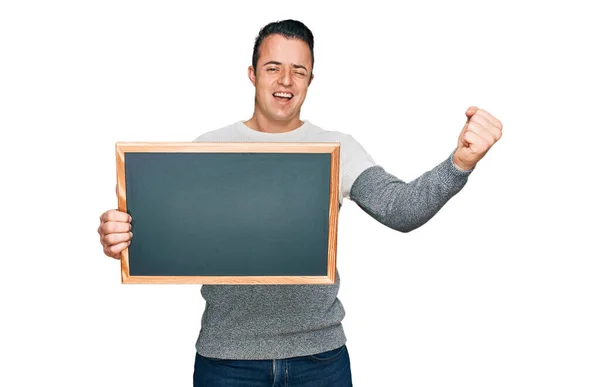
[
  {"x": 354, "y": 160},
  {"x": 406, "y": 206}
]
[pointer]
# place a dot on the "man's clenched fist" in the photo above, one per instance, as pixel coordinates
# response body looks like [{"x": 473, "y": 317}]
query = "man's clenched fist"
[
  {"x": 481, "y": 131},
  {"x": 115, "y": 232}
]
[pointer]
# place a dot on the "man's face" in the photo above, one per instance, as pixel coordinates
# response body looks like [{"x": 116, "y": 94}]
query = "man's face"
[{"x": 282, "y": 75}]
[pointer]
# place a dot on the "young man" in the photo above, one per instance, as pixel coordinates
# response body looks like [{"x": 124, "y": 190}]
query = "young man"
[{"x": 275, "y": 335}]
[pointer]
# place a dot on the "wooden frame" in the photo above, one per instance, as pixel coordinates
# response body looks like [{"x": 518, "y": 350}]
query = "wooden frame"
[{"x": 333, "y": 148}]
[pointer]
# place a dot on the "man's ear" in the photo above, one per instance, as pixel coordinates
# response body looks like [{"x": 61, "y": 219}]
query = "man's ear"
[
  {"x": 252, "y": 75},
  {"x": 311, "y": 78}
]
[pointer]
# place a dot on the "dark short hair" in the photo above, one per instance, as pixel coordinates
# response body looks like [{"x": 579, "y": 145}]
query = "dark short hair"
[{"x": 291, "y": 29}]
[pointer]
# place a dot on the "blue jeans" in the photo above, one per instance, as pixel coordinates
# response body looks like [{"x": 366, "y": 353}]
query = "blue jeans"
[{"x": 326, "y": 369}]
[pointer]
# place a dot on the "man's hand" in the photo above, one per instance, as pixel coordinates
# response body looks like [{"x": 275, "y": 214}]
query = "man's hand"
[
  {"x": 115, "y": 232},
  {"x": 481, "y": 131}
]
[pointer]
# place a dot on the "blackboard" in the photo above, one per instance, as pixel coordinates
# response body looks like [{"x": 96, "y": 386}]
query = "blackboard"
[{"x": 229, "y": 213}]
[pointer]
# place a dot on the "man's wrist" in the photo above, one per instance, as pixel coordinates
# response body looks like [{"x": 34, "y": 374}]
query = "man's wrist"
[{"x": 460, "y": 165}]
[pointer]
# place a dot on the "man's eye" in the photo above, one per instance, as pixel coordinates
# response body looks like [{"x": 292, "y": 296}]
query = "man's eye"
[
  {"x": 301, "y": 74},
  {"x": 272, "y": 69}
]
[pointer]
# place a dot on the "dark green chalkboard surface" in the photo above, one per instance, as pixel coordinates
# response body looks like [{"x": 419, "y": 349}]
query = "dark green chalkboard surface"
[{"x": 235, "y": 213}]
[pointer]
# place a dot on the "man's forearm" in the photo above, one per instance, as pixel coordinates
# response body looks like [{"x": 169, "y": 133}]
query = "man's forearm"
[{"x": 406, "y": 206}]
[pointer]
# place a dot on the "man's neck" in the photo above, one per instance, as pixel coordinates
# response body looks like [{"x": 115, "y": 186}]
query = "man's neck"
[{"x": 265, "y": 125}]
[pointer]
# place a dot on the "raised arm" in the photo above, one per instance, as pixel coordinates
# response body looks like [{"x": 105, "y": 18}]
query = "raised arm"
[{"x": 406, "y": 206}]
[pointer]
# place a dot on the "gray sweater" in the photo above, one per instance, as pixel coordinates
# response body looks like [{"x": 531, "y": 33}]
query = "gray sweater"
[{"x": 280, "y": 321}]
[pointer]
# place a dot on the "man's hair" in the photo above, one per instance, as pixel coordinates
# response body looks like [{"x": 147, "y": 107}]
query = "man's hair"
[{"x": 291, "y": 29}]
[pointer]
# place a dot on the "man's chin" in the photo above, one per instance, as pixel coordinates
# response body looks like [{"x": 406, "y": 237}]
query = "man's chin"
[{"x": 285, "y": 117}]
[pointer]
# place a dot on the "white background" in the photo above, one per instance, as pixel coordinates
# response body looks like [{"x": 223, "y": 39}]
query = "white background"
[{"x": 501, "y": 288}]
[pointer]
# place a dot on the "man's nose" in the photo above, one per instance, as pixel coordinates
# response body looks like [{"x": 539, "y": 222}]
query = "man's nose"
[{"x": 285, "y": 78}]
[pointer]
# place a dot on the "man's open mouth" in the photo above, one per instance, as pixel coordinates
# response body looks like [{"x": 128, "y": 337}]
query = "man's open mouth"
[{"x": 283, "y": 96}]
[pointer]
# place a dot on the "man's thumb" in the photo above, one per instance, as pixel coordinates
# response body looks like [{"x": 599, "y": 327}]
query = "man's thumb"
[{"x": 471, "y": 111}]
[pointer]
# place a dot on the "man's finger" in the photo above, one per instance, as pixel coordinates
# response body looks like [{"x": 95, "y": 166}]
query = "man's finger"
[
  {"x": 481, "y": 132},
  {"x": 114, "y": 227},
  {"x": 490, "y": 118},
  {"x": 487, "y": 126},
  {"x": 116, "y": 238},
  {"x": 115, "y": 216},
  {"x": 477, "y": 144},
  {"x": 472, "y": 139},
  {"x": 115, "y": 250}
]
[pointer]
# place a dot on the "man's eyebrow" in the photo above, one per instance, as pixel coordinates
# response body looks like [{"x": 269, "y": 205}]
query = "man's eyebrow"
[
  {"x": 272, "y": 62},
  {"x": 299, "y": 67}
]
